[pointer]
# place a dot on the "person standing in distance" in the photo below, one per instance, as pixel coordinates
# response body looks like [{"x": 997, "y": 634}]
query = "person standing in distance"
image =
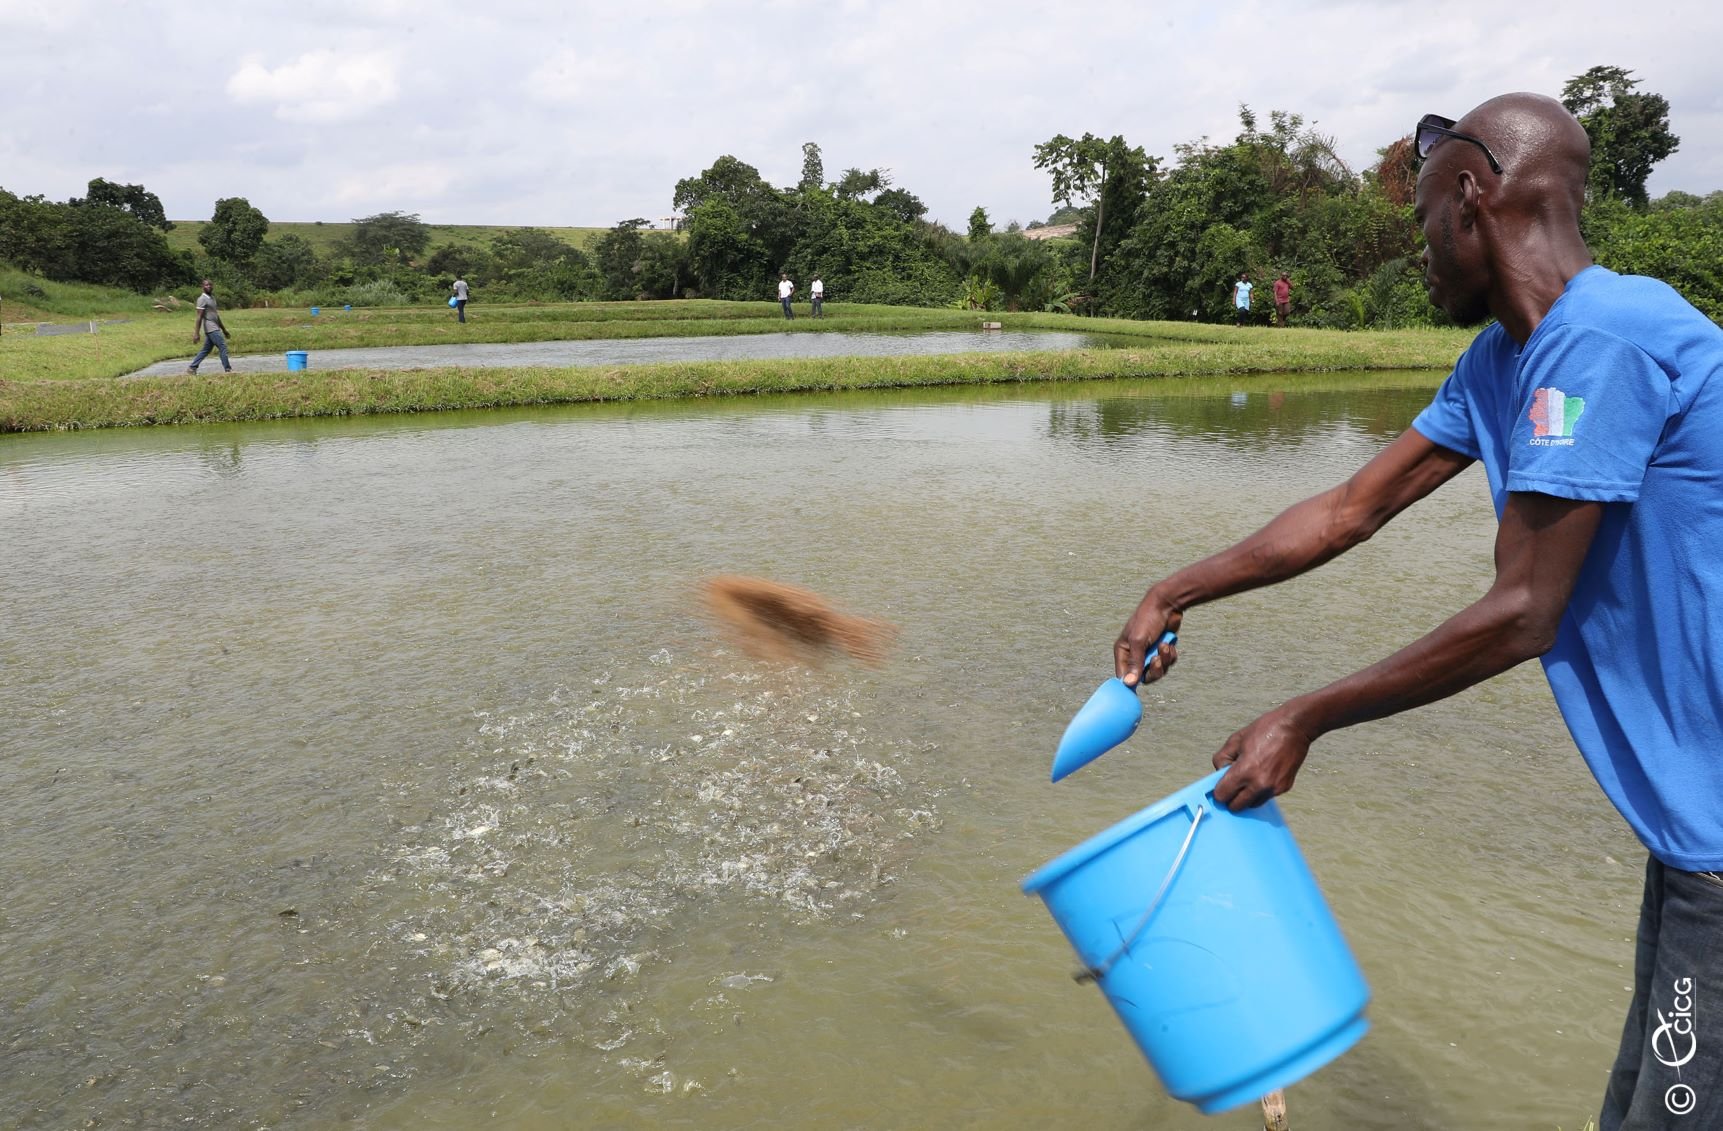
[
  {"x": 460, "y": 289},
  {"x": 209, "y": 326},
  {"x": 1595, "y": 402},
  {"x": 1241, "y": 299},
  {"x": 785, "y": 290},
  {"x": 1282, "y": 299},
  {"x": 817, "y": 292}
]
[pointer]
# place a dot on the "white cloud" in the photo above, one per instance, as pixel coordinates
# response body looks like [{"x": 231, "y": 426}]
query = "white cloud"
[
  {"x": 588, "y": 111},
  {"x": 569, "y": 76},
  {"x": 384, "y": 187},
  {"x": 42, "y": 15},
  {"x": 319, "y": 86}
]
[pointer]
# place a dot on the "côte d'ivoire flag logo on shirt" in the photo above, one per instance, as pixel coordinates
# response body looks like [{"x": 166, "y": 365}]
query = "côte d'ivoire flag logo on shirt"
[{"x": 1553, "y": 416}]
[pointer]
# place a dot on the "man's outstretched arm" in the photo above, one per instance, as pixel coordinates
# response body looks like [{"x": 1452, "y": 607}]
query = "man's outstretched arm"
[
  {"x": 1301, "y": 538},
  {"x": 1540, "y": 548}
]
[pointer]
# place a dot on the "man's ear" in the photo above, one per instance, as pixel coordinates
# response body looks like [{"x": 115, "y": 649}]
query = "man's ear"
[{"x": 1466, "y": 190}]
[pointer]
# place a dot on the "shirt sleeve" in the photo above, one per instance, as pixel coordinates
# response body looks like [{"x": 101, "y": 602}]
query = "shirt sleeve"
[
  {"x": 1592, "y": 408},
  {"x": 1447, "y": 420}
]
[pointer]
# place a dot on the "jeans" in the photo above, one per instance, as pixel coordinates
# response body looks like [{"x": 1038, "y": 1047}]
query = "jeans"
[
  {"x": 460, "y": 310},
  {"x": 819, "y": 304},
  {"x": 1669, "y": 1072},
  {"x": 212, "y": 339},
  {"x": 788, "y": 313}
]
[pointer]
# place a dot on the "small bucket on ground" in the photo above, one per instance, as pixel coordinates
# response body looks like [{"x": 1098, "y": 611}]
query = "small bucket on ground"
[
  {"x": 297, "y": 360},
  {"x": 1213, "y": 944}
]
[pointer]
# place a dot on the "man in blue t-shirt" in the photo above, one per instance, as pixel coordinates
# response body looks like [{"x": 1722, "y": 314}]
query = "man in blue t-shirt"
[{"x": 1595, "y": 402}]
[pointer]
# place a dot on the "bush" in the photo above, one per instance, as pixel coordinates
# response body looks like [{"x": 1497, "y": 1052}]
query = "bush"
[
  {"x": 924, "y": 284},
  {"x": 378, "y": 292}
]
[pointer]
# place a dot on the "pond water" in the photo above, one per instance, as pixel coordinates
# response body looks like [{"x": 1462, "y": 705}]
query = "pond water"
[
  {"x": 640, "y": 351},
  {"x": 380, "y": 773}
]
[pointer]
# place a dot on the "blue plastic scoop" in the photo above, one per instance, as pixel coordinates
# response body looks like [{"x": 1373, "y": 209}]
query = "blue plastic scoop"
[{"x": 1109, "y": 717}]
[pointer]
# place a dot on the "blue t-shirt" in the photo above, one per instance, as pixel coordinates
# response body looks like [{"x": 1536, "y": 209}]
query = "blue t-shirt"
[{"x": 1617, "y": 398}]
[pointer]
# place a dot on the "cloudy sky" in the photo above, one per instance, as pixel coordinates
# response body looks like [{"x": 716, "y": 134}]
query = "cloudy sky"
[{"x": 577, "y": 113}]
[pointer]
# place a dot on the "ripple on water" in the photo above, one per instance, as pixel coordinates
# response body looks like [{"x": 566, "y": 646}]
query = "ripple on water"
[{"x": 582, "y": 832}]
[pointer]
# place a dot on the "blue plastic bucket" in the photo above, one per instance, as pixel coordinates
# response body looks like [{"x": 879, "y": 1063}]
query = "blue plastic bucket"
[
  {"x": 1213, "y": 944},
  {"x": 297, "y": 360},
  {"x": 454, "y": 302},
  {"x": 314, "y": 312}
]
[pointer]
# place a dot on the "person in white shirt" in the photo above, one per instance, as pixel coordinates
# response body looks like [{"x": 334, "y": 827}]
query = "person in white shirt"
[
  {"x": 785, "y": 290},
  {"x": 817, "y": 292}
]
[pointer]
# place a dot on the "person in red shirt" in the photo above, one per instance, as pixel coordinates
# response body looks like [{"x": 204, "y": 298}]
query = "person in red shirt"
[{"x": 1282, "y": 298}]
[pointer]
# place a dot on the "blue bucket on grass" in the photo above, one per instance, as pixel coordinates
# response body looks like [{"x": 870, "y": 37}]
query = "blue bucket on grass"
[
  {"x": 1213, "y": 944},
  {"x": 297, "y": 360}
]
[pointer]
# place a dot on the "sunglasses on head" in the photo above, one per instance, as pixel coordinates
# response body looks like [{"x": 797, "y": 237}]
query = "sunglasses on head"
[{"x": 1432, "y": 128}]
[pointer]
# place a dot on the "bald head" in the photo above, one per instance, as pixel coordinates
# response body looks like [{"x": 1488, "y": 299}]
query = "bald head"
[
  {"x": 1504, "y": 243},
  {"x": 1544, "y": 151}
]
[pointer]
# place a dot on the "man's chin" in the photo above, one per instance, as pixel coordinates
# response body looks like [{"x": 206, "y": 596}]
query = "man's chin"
[
  {"x": 1465, "y": 317},
  {"x": 1470, "y": 317}
]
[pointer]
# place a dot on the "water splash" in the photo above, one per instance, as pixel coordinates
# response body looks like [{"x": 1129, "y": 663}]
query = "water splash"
[{"x": 577, "y": 833}]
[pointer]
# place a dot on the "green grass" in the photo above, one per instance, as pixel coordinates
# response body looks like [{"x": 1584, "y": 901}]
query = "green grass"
[
  {"x": 64, "y": 302},
  {"x": 67, "y": 381},
  {"x": 323, "y": 237},
  {"x": 261, "y": 396}
]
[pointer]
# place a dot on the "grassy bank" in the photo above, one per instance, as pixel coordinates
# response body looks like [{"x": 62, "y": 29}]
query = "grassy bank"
[{"x": 69, "y": 381}]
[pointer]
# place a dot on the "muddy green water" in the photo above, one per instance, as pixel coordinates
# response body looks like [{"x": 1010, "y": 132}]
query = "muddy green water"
[{"x": 380, "y": 773}]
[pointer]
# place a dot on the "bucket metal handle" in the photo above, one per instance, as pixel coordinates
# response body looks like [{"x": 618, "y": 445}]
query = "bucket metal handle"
[{"x": 1096, "y": 973}]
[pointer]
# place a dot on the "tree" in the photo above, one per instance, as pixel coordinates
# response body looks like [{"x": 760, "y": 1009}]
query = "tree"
[
  {"x": 726, "y": 256},
  {"x": 620, "y": 254},
  {"x": 400, "y": 236},
  {"x": 284, "y": 262},
  {"x": 736, "y": 181},
  {"x": 857, "y": 185},
  {"x": 901, "y": 204},
  {"x": 813, "y": 169},
  {"x": 1273, "y": 199},
  {"x": 980, "y": 227},
  {"x": 1080, "y": 169},
  {"x": 1629, "y": 132},
  {"x": 1680, "y": 243},
  {"x": 80, "y": 242},
  {"x": 235, "y": 231},
  {"x": 135, "y": 199},
  {"x": 454, "y": 261},
  {"x": 521, "y": 249}
]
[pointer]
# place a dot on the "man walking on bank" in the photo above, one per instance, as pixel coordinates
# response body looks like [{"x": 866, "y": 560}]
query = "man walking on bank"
[
  {"x": 210, "y": 328},
  {"x": 460, "y": 289},
  {"x": 1595, "y": 402}
]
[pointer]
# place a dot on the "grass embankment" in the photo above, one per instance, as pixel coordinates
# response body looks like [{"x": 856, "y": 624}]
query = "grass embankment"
[{"x": 67, "y": 382}]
